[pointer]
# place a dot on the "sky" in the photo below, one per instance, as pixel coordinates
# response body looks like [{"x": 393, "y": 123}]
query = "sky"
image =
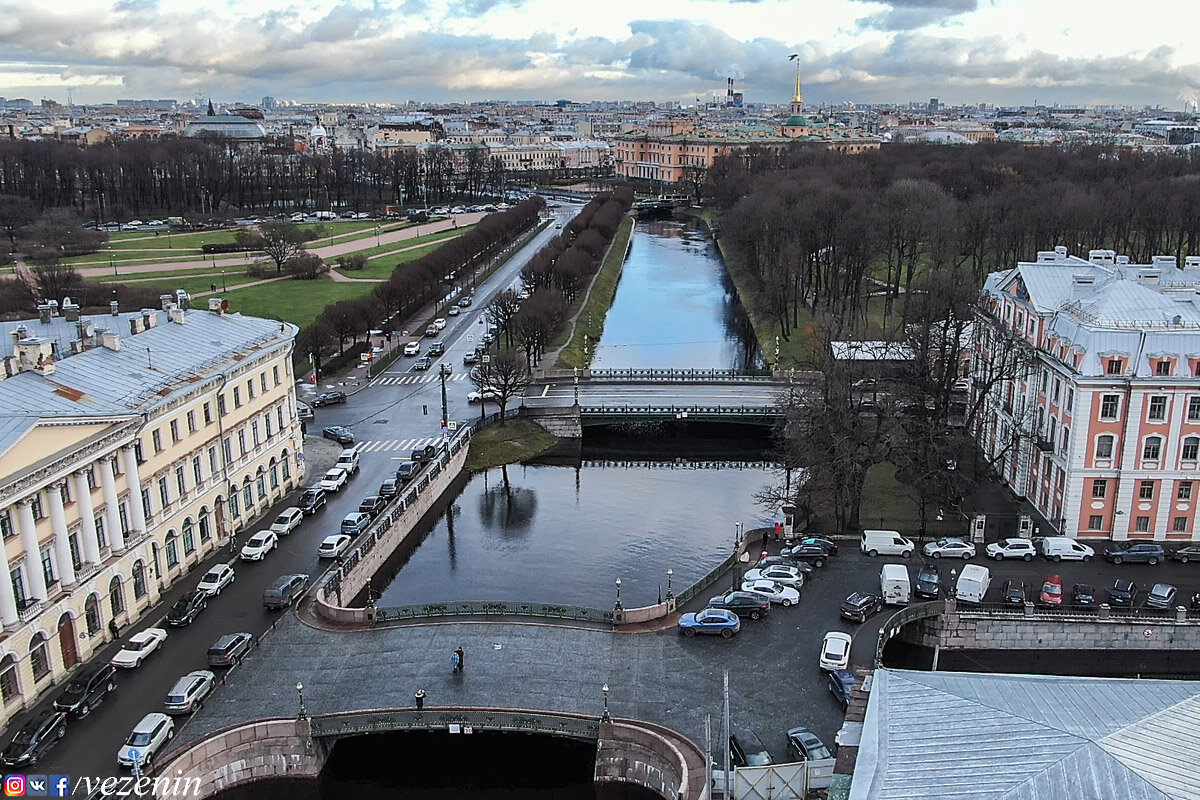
[{"x": 1007, "y": 52}]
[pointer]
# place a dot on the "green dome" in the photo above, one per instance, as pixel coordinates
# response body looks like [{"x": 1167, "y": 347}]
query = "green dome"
[{"x": 797, "y": 122}]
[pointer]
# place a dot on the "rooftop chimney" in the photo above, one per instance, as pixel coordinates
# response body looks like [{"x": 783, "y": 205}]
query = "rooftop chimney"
[
  {"x": 175, "y": 314},
  {"x": 1162, "y": 262},
  {"x": 36, "y": 354},
  {"x": 45, "y": 312},
  {"x": 214, "y": 305},
  {"x": 110, "y": 339},
  {"x": 1060, "y": 252},
  {"x": 1122, "y": 260},
  {"x": 1081, "y": 284},
  {"x": 70, "y": 310},
  {"x": 113, "y": 308},
  {"x": 1191, "y": 262},
  {"x": 167, "y": 300}
]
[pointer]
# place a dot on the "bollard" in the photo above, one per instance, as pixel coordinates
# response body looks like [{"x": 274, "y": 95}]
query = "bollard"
[
  {"x": 1104, "y": 611},
  {"x": 1180, "y": 614},
  {"x": 1028, "y": 609}
]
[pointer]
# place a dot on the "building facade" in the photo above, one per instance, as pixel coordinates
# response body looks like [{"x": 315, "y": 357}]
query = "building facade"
[
  {"x": 1091, "y": 369},
  {"x": 131, "y": 447}
]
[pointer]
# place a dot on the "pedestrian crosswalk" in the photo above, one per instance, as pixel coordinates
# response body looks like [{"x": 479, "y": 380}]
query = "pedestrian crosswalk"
[
  {"x": 397, "y": 445},
  {"x": 428, "y": 377}
]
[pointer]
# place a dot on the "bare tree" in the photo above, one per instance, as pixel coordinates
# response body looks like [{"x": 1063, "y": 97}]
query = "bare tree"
[
  {"x": 501, "y": 311},
  {"x": 505, "y": 374},
  {"x": 281, "y": 241},
  {"x": 15, "y": 213}
]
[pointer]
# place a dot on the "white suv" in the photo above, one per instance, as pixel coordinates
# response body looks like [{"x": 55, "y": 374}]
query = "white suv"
[{"x": 146, "y": 739}]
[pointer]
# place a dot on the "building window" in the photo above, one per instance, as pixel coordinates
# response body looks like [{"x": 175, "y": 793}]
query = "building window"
[
  {"x": 1104, "y": 445},
  {"x": 1057, "y": 391},
  {"x": 248, "y": 494},
  {"x": 1158, "y": 407},
  {"x": 146, "y": 501},
  {"x": 91, "y": 478},
  {"x": 73, "y": 547},
  {"x": 237, "y": 397},
  {"x": 1146, "y": 490},
  {"x": 250, "y": 389},
  {"x": 116, "y": 596},
  {"x": 174, "y": 430},
  {"x": 189, "y": 537},
  {"x": 208, "y": 417},
  {"x": 254, "y": 433},
  {"x": 101, "y": 534},
  {"x": 241, "y": 434},
  {"x": 39, "y": 656},
  {"x": 172, "y": 547},
  {"x": 274, "y": 475},
  {"x": 1179, "y": 524},
  {"x": 181, "y": 479},
  {"x": 227, "y": 449},
  {"x": 156, "y": 440},
  {"x": 35, "y": 503},
  {"x": 261, "y": 483},
  {"x": 48, "y": 566},
  {"x": 1152, "y": 449},
  {"x": 221, "y": 404},
  {"x": 91, "y": 614},
  {"x": 1193, "y": 412},
  {"x": 267, "y": 423},
  {"x": 287, "y": 471},
  {"x": 198, "y": 469},
  {"x": 139, "y": 580},
  {"x": 262, "y": 380},
  {"x": 191, "y": 421},
  {"x": 214, "y": 464},
  {"x": 275, "y": 373},
  {"x": 1191, "y": 448},
  {"x": 1095, "y": 522},
  {"x": 1162, "y": 367},
  {"x": 1115, "y": 366},
  {"x": 1099, "y": 488},
  {"x": 164, "y": 491},
  {"x": 1142, "y": 524},
  {"x": 17, "y": 574},
  {"x": 6, "y": 524},
  {"x": 205, "y": 528},
  {"x": 233, "y": 502},
  {"x": 1185, "y": 490},
  {"x": 123, "y": 516}
]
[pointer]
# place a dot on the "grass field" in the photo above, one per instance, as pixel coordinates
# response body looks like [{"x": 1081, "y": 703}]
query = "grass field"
[
  {"x": 590, "y": 324},
  {"x": 516, "y": 440},
  {"x": 887, "y": 503},
  {"x": 196, "y": 285},
  {"x": 298, "y": 302},
  {"x": 383, "y": 260}
]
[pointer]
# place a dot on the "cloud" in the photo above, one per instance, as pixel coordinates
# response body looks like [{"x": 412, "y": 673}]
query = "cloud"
[
  {"x": 903, "y": 15},
  {"x": 340, "y": 23}
]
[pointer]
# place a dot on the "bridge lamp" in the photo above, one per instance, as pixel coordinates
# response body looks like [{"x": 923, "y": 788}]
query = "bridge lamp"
[
  {"x": 576, "y": 385},
  {"x": 952, "y": 589},
  {"x": 618, "y": 606},
  {"x": 606, "y": 717},
  {"x": 670, "y": 573},
  {"x": 300, "y": 691}
]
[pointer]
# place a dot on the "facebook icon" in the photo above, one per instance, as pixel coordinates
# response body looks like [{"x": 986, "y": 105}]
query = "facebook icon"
[{"x": 60, "y": 785}]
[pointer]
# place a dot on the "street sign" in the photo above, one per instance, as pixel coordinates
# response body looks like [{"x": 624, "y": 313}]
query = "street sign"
[
  {"x": 452, "y": 425},
  {"x": 470, "y": 337}
]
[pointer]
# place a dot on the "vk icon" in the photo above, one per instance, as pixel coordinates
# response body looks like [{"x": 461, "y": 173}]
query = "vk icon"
[
  {"x": 35, "y": 785},
  {"x": 60, "y": 786}
]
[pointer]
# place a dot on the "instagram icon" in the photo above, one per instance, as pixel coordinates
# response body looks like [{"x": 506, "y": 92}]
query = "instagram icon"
[{"x": 14, "y": 785}]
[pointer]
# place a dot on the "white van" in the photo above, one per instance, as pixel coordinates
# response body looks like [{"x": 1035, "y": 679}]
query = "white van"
[
  {"x": 888, "y": 543},
  {"x": 1057, "y": 548},
  {"x": 973, "y": 584},
  {"x": 894, "y": 585}
]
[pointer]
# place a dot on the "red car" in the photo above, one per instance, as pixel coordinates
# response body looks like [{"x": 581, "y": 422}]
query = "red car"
[{"x": 1052, "y": 591}]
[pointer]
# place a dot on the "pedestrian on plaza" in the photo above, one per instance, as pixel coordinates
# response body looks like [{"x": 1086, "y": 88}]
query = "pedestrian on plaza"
[
  {"x": 420, "y": 698},
  {"x": 457, "y": 659},
  {"x": 214, "y": 286},
  {"x": 778, "y": 531},
  {"x": 766, "y": 537},
  {"x": 114, "y": 630}
]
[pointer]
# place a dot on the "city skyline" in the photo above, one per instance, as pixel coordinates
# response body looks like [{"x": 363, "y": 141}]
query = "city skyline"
[{"x": 1008, "y": 52}]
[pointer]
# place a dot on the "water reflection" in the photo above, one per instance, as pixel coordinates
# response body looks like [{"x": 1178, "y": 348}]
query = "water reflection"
[{"x": 675, "y": 306}]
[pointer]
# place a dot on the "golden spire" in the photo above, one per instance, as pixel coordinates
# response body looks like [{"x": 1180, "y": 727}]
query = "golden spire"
[{"x": 798, "y": 98}]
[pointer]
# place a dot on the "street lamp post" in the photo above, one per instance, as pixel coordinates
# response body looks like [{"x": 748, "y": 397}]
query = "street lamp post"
[
  {"x": 300, "y": 692},
  {"x": 605, "y": 717},
  {"x": 377, "y": 234},
  {"x": 112, "y": 262},
  {"x": 224, "y": 288},
  {"x": 576, "y": 385},
  {"x": 670, "y": 594},
  {"x": 618, "y": 607},
  {"x": 445, "y": 412}
]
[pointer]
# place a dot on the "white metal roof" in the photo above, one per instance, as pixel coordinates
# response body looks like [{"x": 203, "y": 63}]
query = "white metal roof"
[{"x": 975, "y": 736}]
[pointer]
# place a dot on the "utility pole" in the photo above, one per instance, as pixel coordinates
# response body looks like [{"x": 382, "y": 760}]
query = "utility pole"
[
  {"x": 725, "y": 731},
  {"x": 445, "y": 412}
]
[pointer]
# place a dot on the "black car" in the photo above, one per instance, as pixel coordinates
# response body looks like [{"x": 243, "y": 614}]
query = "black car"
[
  {"x": 226, "y": 651},
  {"x": 34, "y": 739},
  {"x": 811, "y": 553},
  {"x": 804, "y": 745},
  {"x": 436, "y": 349},
  {"x": 773, "y": 561},
  {"x": 87, "y": 690},
  {"x": 339, "y": 433},
  {"x": 929, "y": 582},
  {"x": 389, "y": 488},
  {"x": 744, "y": 604},
  {"x": 329, "y": 399},
  {"x": 841, "y": 683},
  {"x": 1014, "y": 592},
  {"x": 830, "y": 546},
  {"x": 1185, "y": 554},
  {"x": 372, "y": 504},
  {"x": 1082, "y": 594},
  {"x": 187, "y": 608},
  {"x": 422, "y": 363},
  {"x": 407, "y": 471},
  {"x": 423, "y": 454},
  {"x": 1139, "y": 552},
  {"x": 1122, "y": 593},
  {"x": 313, "y": 500},
  {"x": 861, "y": 605}
]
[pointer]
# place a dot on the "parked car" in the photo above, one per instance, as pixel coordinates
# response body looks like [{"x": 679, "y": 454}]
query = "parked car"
[
  {"x": 828, "y": 545},
  {"x": 1011, "y": 548},
  {"x": 1137, "y": 552},
  {"x": 1187, "y": 554},
  {"x": 440, "y": 323},
  {"x": 1123, "y": 593},
  {"x": 412, "y": 349},
  {"x": 432, "y": 331},
  {"x": 145, "y": 740},
  {"x": 406, "y": 471},
  {"x": 348, "y": 460},
  {"x": 215, "y": 580},
  {"x": 470, "y": 358},
  {"x": 1082, "y": 594},
  {"x": 87, "y": 689},
  {"x": 744, "y": 604},
  {"x": 861, "y": 605},
  {"x": 139, "y": 647},
  {"x": 422, "y": 455},
  {"x": 929, "y": 582},
  {"x": 1195, "y": 601},
  {"x": 436, "y": 349},
  {"x": 284, "y": 591},
  {"x": 422, "y": 363},
  {"x": 1057, "y": 548},
  {"x": 288, "y": 520},
  {"x": 329, "y": 399},
  {"x": 841, "y": 684},
  {"x": 484, "y": 395},
  {"x": 33, "y": 740},
  {"x": 1161, "y": 596},
  {"x": 229, "y": 649},
  {"x": 747, "y": 750},
  {"x": 389, "y": 489},
  {"x": 1013, "y": 593},
  {"x": 334, "y": 545},
  {"x": 772, "y": 591},
  {"x": 949, "y": 548},
  {"x": 187, "y": 608},
  {"x": 188, "y": 693},
  {"x": 339, "y": 433},
  {"x": 453, "y": 311},
  {"x": 372, "y": 504},
  {"x": 304, "y": 411},
  {"x": 803, "y": 567},
  {"x": 888, "y": 543},
  {"x": 258, "y": 545},
  {"x": 355, "y": 523},
  {"x": 718, "y": 621},
  {"x": 313, "y": 500},
  {"x": 835, "y": 651},
  {"x": 803, "y": 745},
  {"x": 1052, "y": 592},
  {"x": 334, "y": 480},
  {"x": 786, "y": 575},
  {"x": 812, "y": 553}
]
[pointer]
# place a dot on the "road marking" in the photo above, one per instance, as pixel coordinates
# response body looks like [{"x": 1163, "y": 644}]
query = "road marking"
[
  {"x": 389, "y": 445},
  {"x": 412, "y": 379}
]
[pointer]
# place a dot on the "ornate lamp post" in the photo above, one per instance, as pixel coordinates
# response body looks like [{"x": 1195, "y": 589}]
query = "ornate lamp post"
[
  {"x": 605, "y": 717},
  {"x": 300, "y": 692},
  {"x": 576, "y": 385},
  {"x": 670, "y": 594},
  {"x": 618, "y": 607}
]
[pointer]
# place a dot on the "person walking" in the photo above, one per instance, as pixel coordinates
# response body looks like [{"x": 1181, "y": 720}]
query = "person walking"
[
  {"x": 458, "y": 659},
  {"x": 114, "y": 629}
]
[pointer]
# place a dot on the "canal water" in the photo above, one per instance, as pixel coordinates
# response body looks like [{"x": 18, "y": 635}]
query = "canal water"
[{"x": 675, "y": 306}]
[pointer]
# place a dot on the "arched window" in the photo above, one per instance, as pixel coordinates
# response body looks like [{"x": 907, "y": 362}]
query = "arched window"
[
  {"x": 91, "y": 614},
  {"x": 116, "y": 596},
  {"x": 1191, "y": 448},
  {"x": 285, "y": 461},
  {"x": 10, "y": 687},
  {"x": 139, "y": 579},
  {"x": 260, "y": 482},
  {"x": 205, "y": 524},
  {"x": 248, "y": 495},
  {"x": 1152, "y": 449},
  {"x": 189, "y": 536},
  {"x": 234, "y": 511},
  {"x": 274, "y": 474},
  {"x": 172, "y": 546},
  {"x": 39, "y": 656},
  {"x": 1104, "y": 445}
]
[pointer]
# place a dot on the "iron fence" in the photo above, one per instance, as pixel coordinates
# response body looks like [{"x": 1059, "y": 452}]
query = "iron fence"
[
  {"x": 494, "y": 608},
  {"x": 898, "y": 620},
  {"x": 681, "y": 375},
  {"x": 708, "y": 580}
]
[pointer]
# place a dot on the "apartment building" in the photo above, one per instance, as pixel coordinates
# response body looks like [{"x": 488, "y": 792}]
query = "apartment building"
[
  {"x": 1091, "y": 369},
  {"x": 132, "y": 445}
]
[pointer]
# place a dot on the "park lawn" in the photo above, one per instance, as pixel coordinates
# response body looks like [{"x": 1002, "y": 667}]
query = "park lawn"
[
  {"x": 201, "y": 269},
  {"x": 590, "y": 322},
  {"x": 515, "y": 440},
  {"x": 381, "y": 266},
  {"x": 298, "y": 302},
  {"x": 887, "y": 503},
  {"x": 194, "y": 285}
]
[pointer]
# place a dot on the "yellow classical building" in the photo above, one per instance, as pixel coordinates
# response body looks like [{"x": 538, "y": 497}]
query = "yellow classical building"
[{"x": 132, "y": 445}]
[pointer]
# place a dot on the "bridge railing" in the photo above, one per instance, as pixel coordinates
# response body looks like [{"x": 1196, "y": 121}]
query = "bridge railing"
[
  {"x": 681, "y": 411},
  {"x": 474, "y": 608},
  {"x": 680, "y": 375},
  {"x": 708, "y": 580},
  {"x": 898, "y": 620}
]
